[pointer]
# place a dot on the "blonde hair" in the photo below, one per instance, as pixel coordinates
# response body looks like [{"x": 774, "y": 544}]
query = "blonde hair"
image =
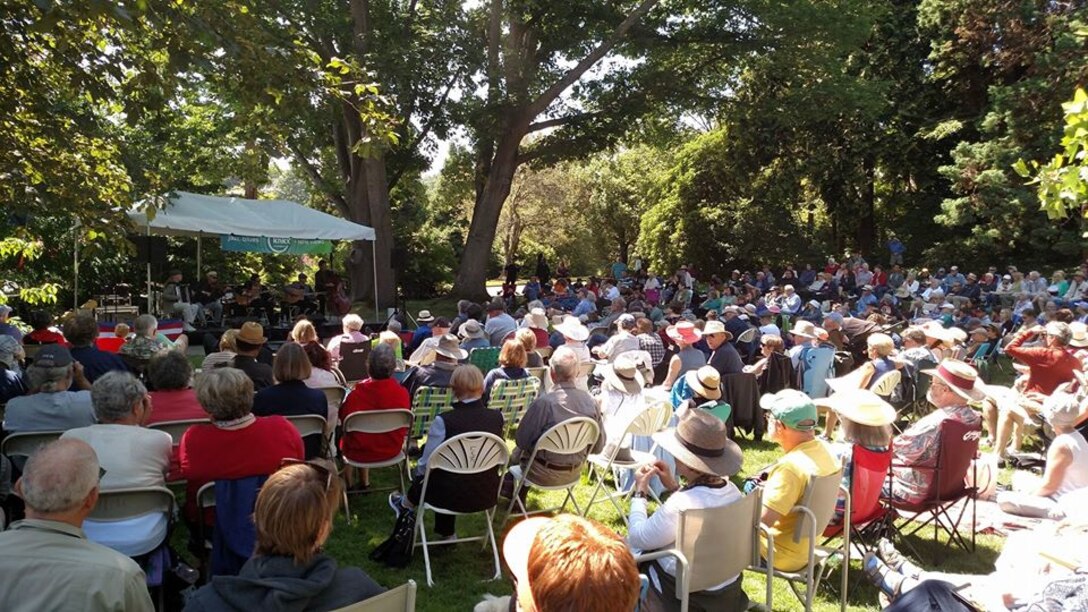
[
  {"x": 291, "y": 363},
  {"x": 513, "y": 354},
  {"x": 881, "y": 344},
  {"x": 229, "y": 341},
  {"x": 121, "y": 330},
  {"x": 576, "y": 563},
  {"x": 304, "y": 332},
  {"x": 527, "y": 338},
  {"x": 294, "y": 511},
  {"x": 467, "y": 381}
]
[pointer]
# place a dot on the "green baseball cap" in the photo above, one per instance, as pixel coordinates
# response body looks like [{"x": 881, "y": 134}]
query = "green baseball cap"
[{"x": 793, "y": 408}]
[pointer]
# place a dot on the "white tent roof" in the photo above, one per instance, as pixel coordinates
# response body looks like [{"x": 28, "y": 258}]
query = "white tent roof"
[{"x": 191, "y": 214}]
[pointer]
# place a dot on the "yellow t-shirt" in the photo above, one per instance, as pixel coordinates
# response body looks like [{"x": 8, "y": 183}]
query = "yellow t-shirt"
[{"x": 784, "y": 489}]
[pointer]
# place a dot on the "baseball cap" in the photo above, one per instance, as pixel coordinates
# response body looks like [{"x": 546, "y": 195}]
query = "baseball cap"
[
  {"x": 53, "y": 356},
  {"x": 792, "y": 407}
]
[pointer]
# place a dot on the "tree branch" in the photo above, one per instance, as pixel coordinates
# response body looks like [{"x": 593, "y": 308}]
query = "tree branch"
[
  {"x": 426, "y": 128},
  {"x": 319, "y": 181},
  {"x": 545, "y": 99},
  {"x": 559, "y": 121}
]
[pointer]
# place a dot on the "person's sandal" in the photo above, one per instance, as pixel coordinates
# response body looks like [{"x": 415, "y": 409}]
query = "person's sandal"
[{"x": 887, "y": 580}]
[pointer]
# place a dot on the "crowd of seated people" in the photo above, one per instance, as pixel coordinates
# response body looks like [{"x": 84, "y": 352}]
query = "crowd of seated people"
[{"x": 645, "y": 339}]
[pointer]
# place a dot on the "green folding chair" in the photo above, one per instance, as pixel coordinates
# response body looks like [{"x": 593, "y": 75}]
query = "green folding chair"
[
  {"x": 486, "y": 359},
  {"x": 428, "y": 403},
  {"x": 513, "y": 397}
]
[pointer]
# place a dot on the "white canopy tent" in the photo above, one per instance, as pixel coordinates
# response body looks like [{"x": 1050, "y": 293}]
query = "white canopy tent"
[{"x": 191, "y": 214}]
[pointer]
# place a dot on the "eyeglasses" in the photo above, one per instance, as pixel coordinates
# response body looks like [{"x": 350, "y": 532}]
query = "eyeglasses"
[{"x": 317, "y": 465}]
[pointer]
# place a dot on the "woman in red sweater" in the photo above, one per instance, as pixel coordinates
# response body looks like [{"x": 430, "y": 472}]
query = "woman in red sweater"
[
  {"x": 379, "y": 392},
  {"x": 236, "y": 444}
]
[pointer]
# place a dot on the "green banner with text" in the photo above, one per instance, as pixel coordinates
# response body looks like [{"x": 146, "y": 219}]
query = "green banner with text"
[{"x": 279, "y": 246}]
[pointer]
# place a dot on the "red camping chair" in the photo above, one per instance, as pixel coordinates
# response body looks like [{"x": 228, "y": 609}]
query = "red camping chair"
[
  {"x": 957, "y": 447},
  {"x": 109, "y": 345},
  {"x": 868, "y": 473}
]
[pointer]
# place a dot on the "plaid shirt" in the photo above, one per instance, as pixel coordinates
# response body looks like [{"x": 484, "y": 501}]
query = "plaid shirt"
[{"x": 651, "y": 343}]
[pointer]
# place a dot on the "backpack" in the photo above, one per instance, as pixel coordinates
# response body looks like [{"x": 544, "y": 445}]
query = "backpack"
[{"x": 396, "y": 550}]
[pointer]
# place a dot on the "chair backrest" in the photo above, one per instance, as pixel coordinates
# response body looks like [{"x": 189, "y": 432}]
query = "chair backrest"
[
  {"x": 31, "y": 351},
  {"x": 513, "y": 397},
  {"x": 308, "y": 424},
  {"x": 820, "y": 496},
  {"x": 353, "y": 357},
  {"x": 334, "y": 395},
  {"x": 819, "y": 366},
  {"x": 400, "y": 599},
  {"x": 427, "y": 403},
  {"x": 885, "y": 386},
  {"x": 703, "y": 534},
  {"x": 176, "y": 429},
  {"x": 544, "y": 351},
  {"x": 486, "y": 359},
  {"x": 205, "y": 496},
  {"x": 958, "y": 447},
  {"x": 122, "y": 504},
  {"x": 541, "y": 374},
  {"x": 868, "y": 474},
  {"x": 470, "y": 453},
  {"x": 571, "y": 437},
  {"x": 378, "y": 421},
  {"x": 922, "y": 381},
  {"x": 26, "y": 444},
  {"x": 747, "y": 335},
  {"x": 653, "y": 418}
]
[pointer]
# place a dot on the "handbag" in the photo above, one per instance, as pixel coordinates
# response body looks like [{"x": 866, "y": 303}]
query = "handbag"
[{"x": 396, "y": 550}]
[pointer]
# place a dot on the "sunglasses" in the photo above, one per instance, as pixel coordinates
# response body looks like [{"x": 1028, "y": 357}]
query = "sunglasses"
[{"x": 317, "y": 465}]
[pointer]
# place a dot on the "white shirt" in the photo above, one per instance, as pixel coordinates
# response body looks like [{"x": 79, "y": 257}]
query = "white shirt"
[
  {"x": 659, "y": 531},
  {"x": 612, "y": 293},
  {"x": 1076, "y": 474},
  {"x": 618, "y": 409},
  {"x": 651, "y": 283}
]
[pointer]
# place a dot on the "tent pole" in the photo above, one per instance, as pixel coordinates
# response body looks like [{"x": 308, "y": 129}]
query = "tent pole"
[
  {"x": 198, "y": 266},
  {"x": 374, "y": 257},
  {"x": 149, "y": 311}
]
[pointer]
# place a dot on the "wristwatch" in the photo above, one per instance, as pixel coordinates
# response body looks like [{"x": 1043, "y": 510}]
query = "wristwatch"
[{"x": 638, "y": 495}]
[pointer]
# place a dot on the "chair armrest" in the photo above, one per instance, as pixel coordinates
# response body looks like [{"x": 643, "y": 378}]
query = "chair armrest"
[{"x": 684, "y": 578}]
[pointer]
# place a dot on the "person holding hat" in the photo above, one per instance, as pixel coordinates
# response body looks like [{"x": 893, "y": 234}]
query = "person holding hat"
[
  {"x": 447, "y": 353},
  {"x": 622, "y": 341},
  {"x": 791, "y": 422},
  {"x": 705, "y": 460},
  {"x": 686, "y": 358},
  {"x": 1049, "y": 367},
  {"x": 472, "y": 335},
  {"x": 422, "y": 332},
  {"x": 11, "y": 377},
  {"x": 723, "y": 355},
  {"x": 954, "y": 385},
  {"x": 50, "y": 406},
  {"x": 566, "y": 563},
  {"x": 499, "y": 324},
  {"x": 866, "y": 422},
  {"x": 249, "y": 342},
  {"x": 1066, "y": 465},
  {"x": 6, "y": 328}
]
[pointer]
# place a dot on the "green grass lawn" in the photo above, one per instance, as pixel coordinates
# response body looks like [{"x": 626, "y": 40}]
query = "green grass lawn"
[{"x": 462, "y": 572}]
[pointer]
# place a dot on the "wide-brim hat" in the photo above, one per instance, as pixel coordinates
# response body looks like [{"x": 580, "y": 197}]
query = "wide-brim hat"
[
  {"x": 572, "y": 328},
  {"x": 685, "y": 331},
  {"x": 425, "y": 316},
  {"x": 1079, "y": 339},
  {"x": 251, "y": 332},
  {"x": 960, "y": 377},
  {"x": 861, "y": 406},
  {"x": 471, "y": 329},
  {"x": 538, "y": 319},
  {"x": 624, "y": 375},
  {"x": 717, "y": 327},
  {"x": 700, "y": 442},
  {"x": 705, "y": 382},
  {"x": 803, "y": 328},
  {"x": 449, "y": 347}
]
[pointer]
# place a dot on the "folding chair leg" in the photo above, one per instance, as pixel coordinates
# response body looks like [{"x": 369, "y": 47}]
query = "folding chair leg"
[
  {"x": 494, "y": 546},
  {"x": 422, "y": 531},
  {"x": 574, "y": 502}
]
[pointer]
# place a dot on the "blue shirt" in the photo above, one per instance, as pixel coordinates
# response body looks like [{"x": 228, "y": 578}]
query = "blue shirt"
[
  {"x": 584, "y": 307},
  {"x": 96, "y": 362},
  {"x": 11, "y": 330},
  {"x": 11, "y": 384},
  {"x": 422, "y": 333}
]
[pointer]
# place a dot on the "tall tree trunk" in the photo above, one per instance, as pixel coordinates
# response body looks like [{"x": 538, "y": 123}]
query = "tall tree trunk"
[
  {"x": 866, "y": 235},
  {"x": 471, "y": 282}
]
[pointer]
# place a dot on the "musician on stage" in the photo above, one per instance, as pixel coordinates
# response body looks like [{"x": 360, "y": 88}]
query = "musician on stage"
[
  {"x": 177, "y": 300},
  {"x": 209, "y": 294},
  {"x": 254, "y": 296},
  {"x": 324, "y": 283},
  {"x": 300, "y": 295}
]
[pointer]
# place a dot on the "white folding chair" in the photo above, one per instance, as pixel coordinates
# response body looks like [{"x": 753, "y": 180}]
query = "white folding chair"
[
  {"x": 334, "y": 397},
  {"x": 747, "y": 335},
  {"x": 176, "y": 429},
  {"x": 122, "y": 504},
  {"x": 310, "y": 425},
  {"x": 886, "y": 384},
  {"x": 571, "y": 437},
  {"x": 22, "y": 445},
  {"x": 653, "y": 418},
  {"x": 378, "y": 422},
  {"x": 467, "y": 453},
  {"x": 400, "y": 599},
  {"x": 701, "y": 536},
  {"x": 817, "y": 507}
]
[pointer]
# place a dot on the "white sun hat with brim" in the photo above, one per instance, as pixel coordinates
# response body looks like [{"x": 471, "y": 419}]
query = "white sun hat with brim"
[
  {"x": 861, "y": 406},
  {"x": 572, "y": 328}
]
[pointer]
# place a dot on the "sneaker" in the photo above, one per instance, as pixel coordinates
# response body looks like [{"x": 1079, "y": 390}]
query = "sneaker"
[
  {"x": 895, "y": 560},
  {"x": 395, "y": 499},
  {"x": 883, "y": 577},
  {"x": 445, "y": 538}
]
